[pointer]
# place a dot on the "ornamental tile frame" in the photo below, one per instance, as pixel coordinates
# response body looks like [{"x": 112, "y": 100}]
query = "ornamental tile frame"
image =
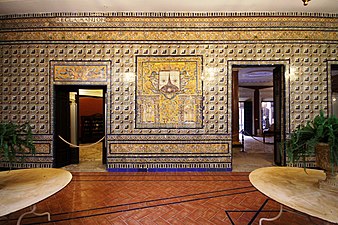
[
  {"x": 83, "y": 71},
  {"x": 305, "y": 43}
]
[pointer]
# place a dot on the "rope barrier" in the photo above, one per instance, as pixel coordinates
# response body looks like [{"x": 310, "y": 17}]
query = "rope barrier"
[
  {"x": 253, "y": 137},
  {"x": 83, "y": 146}
]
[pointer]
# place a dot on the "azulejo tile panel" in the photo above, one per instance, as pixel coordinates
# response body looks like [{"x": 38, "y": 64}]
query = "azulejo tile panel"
[
  {"x": 43, "y": 148},
  {"x": 173, "y": 35},
  {"x": 169, "y": 92},
  {"x": 137, "y": 114},
  {"x": 79, "y": 71},
  {"x": 174, "y": 161},
  {"x": 127, "y": 21},
  {"x": 191, "y": 148}
]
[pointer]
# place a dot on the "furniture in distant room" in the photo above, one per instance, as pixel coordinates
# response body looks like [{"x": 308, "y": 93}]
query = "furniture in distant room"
[
  {"x": 26, "y": 187},
  {"x": 92, "y": 128},
  {"x": 268, "y": 132},
  {"x": 297, "y": 189}
]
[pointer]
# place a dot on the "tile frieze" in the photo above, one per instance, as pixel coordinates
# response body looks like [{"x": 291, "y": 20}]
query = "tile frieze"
[
  {"x": 229, "y": 35},
  {"x": 170, "y": 22},
  {"x": 121, "y": 148}
]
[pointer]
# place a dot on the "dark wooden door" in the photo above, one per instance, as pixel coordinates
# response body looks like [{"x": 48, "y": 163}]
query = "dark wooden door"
[
  {"x": 248, "y": 118},
  {"x": 62, "y": 151},
  {"x": 104, "y": 142},
  {"x": 279, "y": 117}
]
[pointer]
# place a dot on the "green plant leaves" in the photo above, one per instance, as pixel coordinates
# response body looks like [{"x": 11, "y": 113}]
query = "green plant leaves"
[
  {"x": 15, "y": 140},
  {"x": 304, "y": 138}
]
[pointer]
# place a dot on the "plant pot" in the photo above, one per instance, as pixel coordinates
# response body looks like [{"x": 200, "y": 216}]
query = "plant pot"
[{"x": 323, "y": 162}]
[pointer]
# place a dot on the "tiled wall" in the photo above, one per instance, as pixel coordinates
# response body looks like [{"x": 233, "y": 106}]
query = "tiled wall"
[{"x": 33, "y": 45}]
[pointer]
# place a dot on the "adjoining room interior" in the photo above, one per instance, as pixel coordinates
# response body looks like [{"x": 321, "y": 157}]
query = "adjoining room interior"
[
  {"x": 87, "y": 129},
  {"x": 255, "y": 145},
  {"x": 91, "y": 124}
]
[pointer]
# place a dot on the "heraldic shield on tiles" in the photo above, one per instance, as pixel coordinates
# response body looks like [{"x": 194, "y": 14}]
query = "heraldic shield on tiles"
[{"x": 169, "y": 92}]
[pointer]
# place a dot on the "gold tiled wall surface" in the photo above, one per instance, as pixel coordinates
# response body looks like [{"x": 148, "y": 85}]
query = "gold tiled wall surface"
[
  {"x": 181, "y": 155},
  {"x": 306, "y": 44}
]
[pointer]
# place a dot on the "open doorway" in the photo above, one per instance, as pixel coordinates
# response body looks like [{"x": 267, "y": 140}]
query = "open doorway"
[
  {"x": 259, "y": 97},
  {"x": 91, "y": 124},
  {"x": 79, "y": 127}
]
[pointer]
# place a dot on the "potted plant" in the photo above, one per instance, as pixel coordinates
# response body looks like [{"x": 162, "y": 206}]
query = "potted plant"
[
  {"x": 15, "y": 140},
  {"x": 318, "y": 137}
]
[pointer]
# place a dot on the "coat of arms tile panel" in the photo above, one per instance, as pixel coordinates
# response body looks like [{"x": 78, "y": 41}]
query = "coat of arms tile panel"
[{"x": 169, "y": 92}]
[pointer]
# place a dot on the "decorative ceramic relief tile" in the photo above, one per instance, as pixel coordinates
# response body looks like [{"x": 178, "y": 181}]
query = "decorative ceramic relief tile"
[
  {"x": 135, "y": 63},
  {"x": 144, "y": 148}
]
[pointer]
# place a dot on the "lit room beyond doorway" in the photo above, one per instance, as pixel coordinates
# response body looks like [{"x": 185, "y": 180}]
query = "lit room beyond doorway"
[
  {"x": 91, "y": 124},
  {"x": 84, "y": 114},
  {"x": 256, "y": 93},
  {"x": 90, "y": 130}
]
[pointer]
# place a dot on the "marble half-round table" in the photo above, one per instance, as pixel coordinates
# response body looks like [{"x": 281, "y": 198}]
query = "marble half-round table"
[
  {"x": 26, "y": 187},
  {"x": 297, "y": 189}
]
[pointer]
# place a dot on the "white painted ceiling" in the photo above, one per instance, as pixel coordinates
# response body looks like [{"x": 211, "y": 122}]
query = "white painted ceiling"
[
  {"x": 260, "y": 76},
  {"x": 45, "y": 6}
]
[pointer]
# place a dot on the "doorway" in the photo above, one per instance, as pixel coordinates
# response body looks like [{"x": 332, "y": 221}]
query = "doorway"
[
  {"x": 79, "y": 126},
  {"x": 259, "y": 98},
  {"x": 334, "y": 86}
]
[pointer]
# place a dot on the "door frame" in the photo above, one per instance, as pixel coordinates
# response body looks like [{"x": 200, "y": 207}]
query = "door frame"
[
  {"x": 74, "y": 156},
  {"x": 332, "y": 65},
  {"x": 61, "y": 151},
  {"x": 283, "y": 65},
  {"x": 279, "y": 116}
]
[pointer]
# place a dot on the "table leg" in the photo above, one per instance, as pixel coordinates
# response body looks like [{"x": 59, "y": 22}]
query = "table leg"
[
  {"x": 272, "y": 219},
  {"x": 33, "y": 212}
]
